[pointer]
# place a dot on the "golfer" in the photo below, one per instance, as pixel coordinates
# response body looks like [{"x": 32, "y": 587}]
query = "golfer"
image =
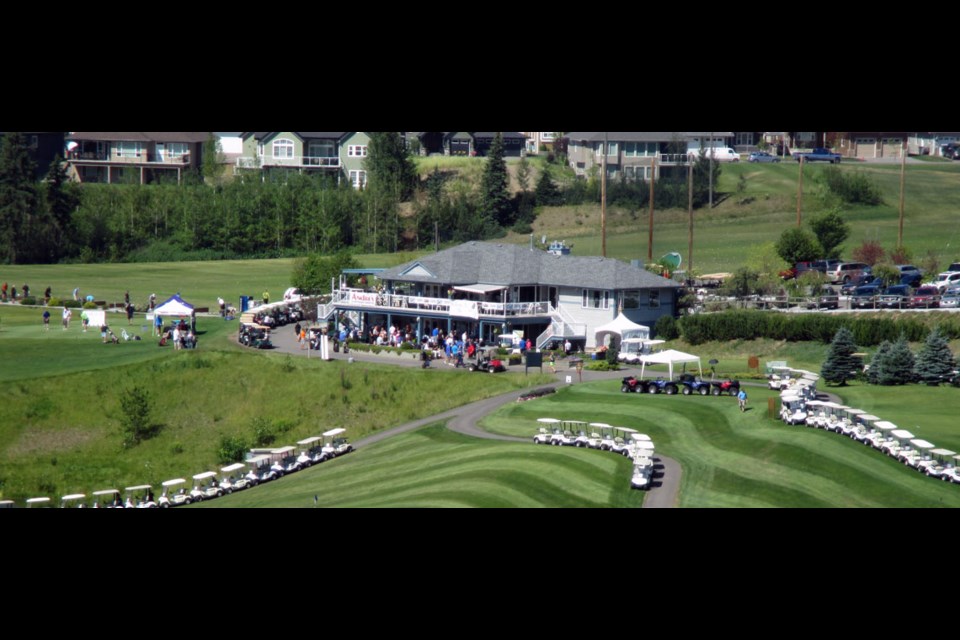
[{"x": 742, "y": 399}]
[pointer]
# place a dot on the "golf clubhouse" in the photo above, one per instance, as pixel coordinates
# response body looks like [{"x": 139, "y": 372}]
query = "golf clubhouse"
[{"x": 488, "y": 289}]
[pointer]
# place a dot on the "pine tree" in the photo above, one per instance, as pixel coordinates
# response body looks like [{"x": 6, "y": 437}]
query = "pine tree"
[
  {"x": 18, "y": 198},
  {"x": 897, "y": 365},
  {"x": 60, "y": 201},
  {"x": 495, "y": 201},
  {"x": 876, "y": 363},
  {"x": 935, "y": 361},
  {"x": 389, "y": 165},
  {"x": 547, "y": 192},
  {"x": 841, "y": 365}
]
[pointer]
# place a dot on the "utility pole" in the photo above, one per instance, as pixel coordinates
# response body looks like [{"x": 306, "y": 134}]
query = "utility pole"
[
  {"x": 711, "y": 171},
  {"x": 800, "y": 191},
  {"x": 903, "y": 176},
  {"x": 653, "y": 180},
  {"x": 603, "y": 200},
  {"x": 690, "y": 211}
]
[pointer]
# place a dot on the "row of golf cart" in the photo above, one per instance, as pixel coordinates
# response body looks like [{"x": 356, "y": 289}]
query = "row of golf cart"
[
  {"x": 261, "y": 465},
  {"x": 872, "y": 431},
  {"x": 686, "y": 384},
  {"x": 598, "y": 435}
]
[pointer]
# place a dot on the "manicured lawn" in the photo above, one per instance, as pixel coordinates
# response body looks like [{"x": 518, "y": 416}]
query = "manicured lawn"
[
  {"x": 731, "y": 459},
  {"x": 435, "y": 467}
]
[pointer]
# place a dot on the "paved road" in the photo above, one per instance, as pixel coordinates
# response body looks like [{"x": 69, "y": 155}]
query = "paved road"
[{"x": 666, "y": 485}]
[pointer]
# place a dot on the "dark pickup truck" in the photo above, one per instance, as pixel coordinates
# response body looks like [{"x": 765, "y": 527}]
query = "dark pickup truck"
[{"x": 819, "y": 154}]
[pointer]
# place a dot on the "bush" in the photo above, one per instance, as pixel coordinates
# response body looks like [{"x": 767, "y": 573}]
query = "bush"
[
  {"x": 666, "y": 328},
  {"x": 853, "y": 187},
  {"x": 54, "y": 302},
  {"x": 232, "y": 449},
  {"x": 30, "y": 300},
  {"x": 263, "y": 432},
  {"x": 601, "y": 365},
  {"x": 135, "y": 417},
  {"x": 71, "y": 304},
  {"x": 89, "y": 305},
  {"x": 611, "y": 356}
]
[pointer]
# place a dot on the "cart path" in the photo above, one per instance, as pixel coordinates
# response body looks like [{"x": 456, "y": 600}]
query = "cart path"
[{"x": 465, "y": 419}]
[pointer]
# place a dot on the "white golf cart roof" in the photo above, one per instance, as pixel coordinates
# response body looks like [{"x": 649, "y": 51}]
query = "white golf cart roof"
[
  {"x": 38, "y": 500},
  {"x": 106, "y": 492},
  {"x": 942, "y": 452},
  {"x": 206, "y": 475},
  {"x": 284, "y": 450},
  {"x": 834, "y": 405},
  {"x": 640, "y": 437},
  {"x": 645, "y": 445},
  {"x": 173, "y": 483},
  {"x": 309, "y": 441},
  {"x": 258, "y": 460},
  {"x": 4, "y": 503},
  {"x": 548, "y": 420},
  {"x": 815, "y": 403},
  {"x": 142, "y": 487},
  {"x": 626, "y": 429},
  {"x": 73, "y": 496},
  {"x": 234, "y": 467},
  {"x": 574, "y": 422},
  {"x": 883, "y": 425},
  {"x": 790, "y": 398},
  {"x": 856, "y": 412},
  {"x": 869, "y": 418},
  {"x": 902, "y": 434},
  {"x": 601, "y": 425},
  {"x": 922, "y": 444},
  {"x": 334, "y": 432}
]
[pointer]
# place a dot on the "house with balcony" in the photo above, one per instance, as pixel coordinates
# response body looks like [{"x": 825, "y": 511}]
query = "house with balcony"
[
  {"x": 487, "y": 289},
  {"x": 539, "y": 140},
  {"x": 632, "y": 153},
  {"x": 339, "y": 154},
  {"x": 142, "y": 157},
  {"x": 465, "y": 143}
]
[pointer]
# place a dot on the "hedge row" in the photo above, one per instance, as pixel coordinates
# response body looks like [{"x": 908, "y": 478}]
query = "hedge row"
[{"x": 867, "y": 330}]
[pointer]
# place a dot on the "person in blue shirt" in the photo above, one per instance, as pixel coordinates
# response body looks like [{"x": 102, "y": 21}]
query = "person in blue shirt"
[{"x": 742, "y": 399}]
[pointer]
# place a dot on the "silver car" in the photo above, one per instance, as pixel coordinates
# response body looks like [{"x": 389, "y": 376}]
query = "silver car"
[{"x": 951, "y": 298}]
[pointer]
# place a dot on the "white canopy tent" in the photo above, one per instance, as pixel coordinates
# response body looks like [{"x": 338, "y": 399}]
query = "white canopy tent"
[
  {"x": 623, "y": 328},
  {"x": 175, "y": 307},
  {"x": 670, "y": 358}
]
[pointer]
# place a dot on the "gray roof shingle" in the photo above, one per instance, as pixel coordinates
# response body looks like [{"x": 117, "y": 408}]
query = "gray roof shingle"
[
  {"x": 140, "y": 136},
  {"x": 508, "y": 264}
]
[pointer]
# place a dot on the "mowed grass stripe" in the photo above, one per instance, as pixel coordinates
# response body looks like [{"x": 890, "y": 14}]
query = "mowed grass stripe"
[
  {"x": 435, "y": 467},
  {"x": 720, "y": 448}
]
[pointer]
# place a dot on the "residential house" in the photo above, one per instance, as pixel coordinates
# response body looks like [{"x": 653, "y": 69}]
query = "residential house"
[
  {"x": 870, "y": 144},
  {"x": 487, "y": 288},
  {"x": 336, "y": 153},
  {"x": 930, "y": 143},
  {"x": 142, "y": 157},
  {"x": 539, "y": 140},
  {"x": 42, "y": 147},
  {"x": 464, "y": 143},
  {"x": 632, "y": 153}
]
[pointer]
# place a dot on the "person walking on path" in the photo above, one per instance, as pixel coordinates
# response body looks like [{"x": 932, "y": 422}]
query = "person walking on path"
[
  {"x": 742, "y": 399},
  {"x": 553, "y": 362},
  {"x": 130, "y": 310}
]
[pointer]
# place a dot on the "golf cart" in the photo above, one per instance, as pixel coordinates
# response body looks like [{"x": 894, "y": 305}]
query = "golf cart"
[
  {"x": 231, "y": 481},
  {"x": 938, "y": 468},
  {"x": 951, "y": 472},
  {"x": 35, "y": 503},
  {"x": 642, "y": 474},
  {"x": 792, "y": 410},
  {"x": 595, "y": 437},
  {"x": 260, "y": 470},
  {"x": 286, "y": 457},
  {"x": 334, "y": 444},
  {"x": 620, "y": 444},
  {"x": 549, "y": 428},
  {"x": 487, "y": 361},
  {"x": 205, "y": 487},
  {"x": 139, "y": 497},
  {"x": 67, "y": 502},
  {"x": 922, "y": 457},
  {"x": 110, "y": 499},
  {"x": 311, "y": 451},
  {"x": 174, "y": 494},
  {"x": 899, "y": 441}
]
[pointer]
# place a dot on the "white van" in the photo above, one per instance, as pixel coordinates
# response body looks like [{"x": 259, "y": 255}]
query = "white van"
[{"x": 721, "y": 154}]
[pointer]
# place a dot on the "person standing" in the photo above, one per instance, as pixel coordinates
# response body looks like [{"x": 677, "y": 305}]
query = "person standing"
[
  {"x": 553, "y": 362},
  {"x": 84, "y": 320},
  {"x": 266, "y": 297},
  {"x": 67, "y": 314},
  {"x": 47, "y": 295},
  {"x": 3, "y": 290},
  {"x": 26, "y": 291},
  {"x": 567, "y": 347},
  {"x": 158, "y": 324},
  {"x": 13, "y": 293},
  {"x": 126, "y": 298},
  {"x": 130, "y": 310},
  {"x": 76, "y": 294},
  {"x": 223, "y": 307},
  {"x": 153, "y": 301},
  {"x": 46, "y": 320},
  {"x": 742, "y": 399}
]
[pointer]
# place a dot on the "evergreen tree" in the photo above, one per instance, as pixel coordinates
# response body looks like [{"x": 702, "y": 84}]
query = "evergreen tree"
[
  {"x": 841, "y": 365},
  {"x": 548, "y": 194},
  {"x": 61, "y": 199},
  {"x": 18, "y": 198},
  {"x": 876, "y": 363},
  {"x": 523, "y": 174},
  {"x": 495, "y": 201},
  {"x": 897, "y": 366},
  {"x": 935, "y": 361},
  {"x": 389, "y": 165}
]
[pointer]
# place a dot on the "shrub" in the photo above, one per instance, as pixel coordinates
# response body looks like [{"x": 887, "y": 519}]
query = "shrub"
[
  {"x": 231, "y": 449},
  {"x": 611, "y": 356},
  {"x": 54, "y": 302},
  {"x": 72, "y": 304},
  {"x": 853, "y": 187},
  {"x": 601, "y": 365},
  {"x": 29, "y": 300},
  {"x": 89, "y": 305},
  {"x": 135, "y": 417},
  {"x": 666, "y": 328},
  {"x": 263, "y": 432}
]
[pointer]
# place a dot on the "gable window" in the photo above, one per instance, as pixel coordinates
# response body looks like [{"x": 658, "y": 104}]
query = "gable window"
[
  {"x": 358, "y": 179},
  {"x": 595, "y": 299},
  {"x": 283, "y": 148},
  {"x": 654, "y": 298},
  {"x": 357, "y": 151}
]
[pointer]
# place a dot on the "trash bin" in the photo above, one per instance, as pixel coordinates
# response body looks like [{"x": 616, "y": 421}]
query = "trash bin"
[{"x": 244, "y": 303}]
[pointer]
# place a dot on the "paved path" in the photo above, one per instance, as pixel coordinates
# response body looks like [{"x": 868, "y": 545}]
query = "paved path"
[{"x": 666, "y": 485}]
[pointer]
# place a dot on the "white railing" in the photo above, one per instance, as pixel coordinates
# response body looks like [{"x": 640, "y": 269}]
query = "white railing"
[
  {"x": 305, "y": 161},
  {"x": 358, "y": 297},
  {"x": 545, "y": 337}
]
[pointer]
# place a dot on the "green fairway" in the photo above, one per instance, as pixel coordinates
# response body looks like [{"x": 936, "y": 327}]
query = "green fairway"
[
  {"x": 731, "y": 459},
  {"x": 434, "y": 467}
]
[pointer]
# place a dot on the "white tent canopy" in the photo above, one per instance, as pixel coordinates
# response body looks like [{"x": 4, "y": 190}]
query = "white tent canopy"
[
  {"x": 175, "y": 306},
  {"x": 670, "y": 358},
  {"x": 623, "y": 328}
]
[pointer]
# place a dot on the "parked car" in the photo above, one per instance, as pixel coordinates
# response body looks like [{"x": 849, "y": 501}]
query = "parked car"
[
  {"x": 947, "y": 279},
  {"x": 818, "y": 154},
  {"x": 954, "y": 266},
  {"x": 762, "y": 156},
  {"x": 895, "y": 297},
  {"x": 826, "y": 265},
  {"x": 866, "y": 279},
  {"x": 950, "y": 298},
  {"x": 826, "y": 300},
  {"x": 909, "y": 270},
  {"x": 846, "y": 272},
  {"x": 950, "y": 151},
  {"x": 865, "y": 297},
  {"x": 927, "y": 296}
]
